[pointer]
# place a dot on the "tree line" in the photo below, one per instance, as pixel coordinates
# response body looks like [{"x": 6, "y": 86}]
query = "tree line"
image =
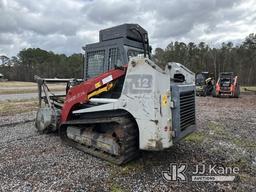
[
  {"x": 35, "y": 61},
  {"x": 240, "y": 59}
]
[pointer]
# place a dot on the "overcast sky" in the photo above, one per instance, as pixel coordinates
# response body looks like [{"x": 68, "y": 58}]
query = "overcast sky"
[{"x": 64, "y": 26}]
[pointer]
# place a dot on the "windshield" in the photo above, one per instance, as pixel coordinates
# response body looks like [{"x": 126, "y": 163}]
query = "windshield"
[
  {"x": 199, "y": 79},
  {"x": 95, "y": 63}
]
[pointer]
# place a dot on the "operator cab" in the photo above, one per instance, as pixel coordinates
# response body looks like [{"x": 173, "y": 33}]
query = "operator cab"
[
  {"x": 201, "y": 77},
  {"x": 115, "y": 47},
  {"x": 226, "y": 79}
]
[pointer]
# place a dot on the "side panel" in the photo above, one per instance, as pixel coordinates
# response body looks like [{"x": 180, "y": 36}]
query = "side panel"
[
  {"x": 146, "y": 96},
  {"x": 183, "y": 110}
]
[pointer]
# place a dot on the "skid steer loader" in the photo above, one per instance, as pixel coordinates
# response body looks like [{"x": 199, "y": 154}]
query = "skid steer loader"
[
  {"x": 125, "y": 101},
  {"x": 227, "y": 85},
  {"x": 204, "y": 84}
]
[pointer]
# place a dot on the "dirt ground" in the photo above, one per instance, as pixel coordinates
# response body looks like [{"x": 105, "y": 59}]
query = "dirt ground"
[{"x": 225, "y": 137}]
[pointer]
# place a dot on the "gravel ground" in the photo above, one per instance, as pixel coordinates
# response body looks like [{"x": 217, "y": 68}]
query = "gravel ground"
[{"x": 225, "y": 137}]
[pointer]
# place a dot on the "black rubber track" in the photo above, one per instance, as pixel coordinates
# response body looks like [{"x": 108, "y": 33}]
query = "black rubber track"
[{"x": 129, "y": 143}]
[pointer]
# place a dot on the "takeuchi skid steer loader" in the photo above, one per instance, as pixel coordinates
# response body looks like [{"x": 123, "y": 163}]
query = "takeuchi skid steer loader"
[{"x": 125, "y": 101}]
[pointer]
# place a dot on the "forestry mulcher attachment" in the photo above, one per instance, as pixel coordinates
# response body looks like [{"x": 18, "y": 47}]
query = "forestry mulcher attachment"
[
  {"x": 125, "y": 102},
  {"x": 227, "y": 85}
]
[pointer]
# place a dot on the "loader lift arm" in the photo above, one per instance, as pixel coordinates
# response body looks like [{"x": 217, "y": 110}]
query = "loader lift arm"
[{"x": 81, "y": 93}]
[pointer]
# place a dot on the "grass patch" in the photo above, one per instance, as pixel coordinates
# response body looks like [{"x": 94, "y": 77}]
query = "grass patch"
[
  {"x": 116, "y": 188},
  {"x": 241, "y": 163},
  {"x": 17, "y": 91},
  {"x": 220, "y": 131},
  {"x": 132, "y": 167},
  {"x": 16, "y": 87},
  {"x": 17, "y": 84},
  {"x": 19, "y": 87},
  {"x": 24, "y": 91},
  {"x": 196, "y": 137},
  {"x": 243, "y": 142},
  {"x": 217, "y": 128},
  {"x": 245, "y": 177},
  {"x": 247, "y": 88},
  {"x": 17, "y": 106}
]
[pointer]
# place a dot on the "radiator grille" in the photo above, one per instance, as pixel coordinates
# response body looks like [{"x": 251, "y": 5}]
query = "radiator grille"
[{"x": 187, "y": 109}]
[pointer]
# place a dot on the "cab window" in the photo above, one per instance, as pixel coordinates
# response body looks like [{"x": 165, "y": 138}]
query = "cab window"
[
  {"x": 95, "y": 63},
  {"x": 114, "y": 58}
]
